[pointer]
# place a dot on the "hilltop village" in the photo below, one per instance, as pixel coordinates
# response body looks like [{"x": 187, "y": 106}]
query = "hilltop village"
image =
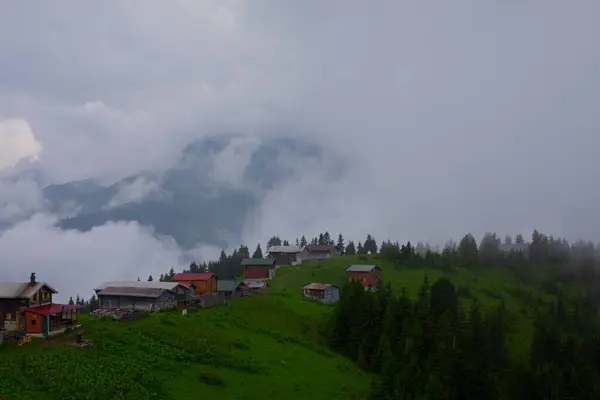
[
  {"x": 27, "y": 308},
  {"x": 494, "y": 320}
]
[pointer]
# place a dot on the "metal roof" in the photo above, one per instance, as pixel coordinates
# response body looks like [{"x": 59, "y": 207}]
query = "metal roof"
[
  {"x": 361, "y": 268},
  {"x": 285, "y": 249},
  {"x": 319, "y": 247},
  {"x": 258, "y": 261},
  {"x": 132, "y": 291},
  {"x": 319, "y": 286},
  {"x": 255, "y": 284},
  {"x": 227, "y": 285},
  {"x": 20, "y": 290},
  {"x": 141, "y": 284}
]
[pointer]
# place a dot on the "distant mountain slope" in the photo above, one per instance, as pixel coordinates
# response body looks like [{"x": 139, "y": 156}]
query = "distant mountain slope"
[{"x": 206, "y": 197}]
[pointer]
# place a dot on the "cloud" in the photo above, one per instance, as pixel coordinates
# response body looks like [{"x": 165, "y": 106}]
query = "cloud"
[
  {"x": 76, "y": 262},
  {"x": 19, "y": 198},
  {"x": 458, "y": 117},
  {"x": 17, "y": 142},
  {"x": 135, "y": 192}
]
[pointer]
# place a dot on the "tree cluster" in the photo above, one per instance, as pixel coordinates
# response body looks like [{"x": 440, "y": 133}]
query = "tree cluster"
[{"x": 430, "y": 348}]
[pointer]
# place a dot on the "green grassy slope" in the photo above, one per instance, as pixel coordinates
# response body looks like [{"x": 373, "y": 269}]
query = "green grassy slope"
[
  {"x": 489, "y": 286},
  {"x": 264, "y": 347}
]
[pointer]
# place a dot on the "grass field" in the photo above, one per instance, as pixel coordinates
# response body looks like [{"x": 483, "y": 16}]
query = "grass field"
[{"x": 264, "y": 347}]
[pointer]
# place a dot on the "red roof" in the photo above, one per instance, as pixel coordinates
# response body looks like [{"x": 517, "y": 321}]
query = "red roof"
[
  {"x": 48, "y": 309},
  {"x": 188, "y": 284},
  {"x": 187, "y": 277}
]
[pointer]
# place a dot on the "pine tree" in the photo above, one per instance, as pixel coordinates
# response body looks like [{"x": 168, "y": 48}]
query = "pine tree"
[
  {"x": 258, "y": 252},
  {"x": 303, "y": 241},
  {"x": 150, "y": 279},
  {"x": 71, "y": 302},
  {"x": 350, "y": 249},
  {"x": 340, "y": 247}
]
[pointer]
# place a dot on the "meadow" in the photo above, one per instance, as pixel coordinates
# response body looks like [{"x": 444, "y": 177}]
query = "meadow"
[{"x": 263, "y": 347}]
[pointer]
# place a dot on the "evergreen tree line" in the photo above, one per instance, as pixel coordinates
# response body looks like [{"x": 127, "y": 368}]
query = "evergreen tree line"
[
  {"x": 573, "y": 261},
  {"x": 430, "y": 348},
  {"x": 84, "y": 305}
]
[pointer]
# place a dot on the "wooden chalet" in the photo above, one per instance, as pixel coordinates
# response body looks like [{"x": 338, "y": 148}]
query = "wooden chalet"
[
  {"x": 325, "y": 292},
  {"x": 259, "y": 268},
  {"x": 367, "y": 275},
  {"x": 318, "y": 252},
  {"x": 144, "y": 296},
  {"x": 286, "y": 255},
  {"x": 28, "y": 307},
  {"x": 205, "y": 282}
]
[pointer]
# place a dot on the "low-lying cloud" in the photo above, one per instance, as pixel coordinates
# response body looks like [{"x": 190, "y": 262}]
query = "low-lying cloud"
[{"x": 453, "y": 118}]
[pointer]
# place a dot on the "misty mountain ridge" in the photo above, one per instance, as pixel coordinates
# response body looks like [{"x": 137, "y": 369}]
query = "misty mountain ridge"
[{"x": 205, "y": 198}]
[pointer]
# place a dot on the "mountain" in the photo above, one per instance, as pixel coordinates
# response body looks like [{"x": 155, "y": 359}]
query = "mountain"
[{"x": 204, "y": 198}]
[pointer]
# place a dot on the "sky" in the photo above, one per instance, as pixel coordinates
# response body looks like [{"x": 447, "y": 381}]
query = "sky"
[{"x": 454, "y": 117}]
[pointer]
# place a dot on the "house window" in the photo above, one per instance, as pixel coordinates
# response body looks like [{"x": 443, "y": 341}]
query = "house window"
[
  {"x": 35, "y": 297},
  {"x": 33, "y": 321},
  {"x": 44, "y": 295},
  {"x": 8, "y": 316}
]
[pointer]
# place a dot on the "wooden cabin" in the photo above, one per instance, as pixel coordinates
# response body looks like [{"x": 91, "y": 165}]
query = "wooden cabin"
[
  {"x": 232, "y": 288},
  {"x": 142, "y": 295},
  {"x": 205, "y": 282},
  {"x": 259, "y": 268},
  {"x": 286, "y": 255},
  {"x": 367, "y": 275},
  {"x": 325, "y": 292},
  {"x": 29, "y": 306}
]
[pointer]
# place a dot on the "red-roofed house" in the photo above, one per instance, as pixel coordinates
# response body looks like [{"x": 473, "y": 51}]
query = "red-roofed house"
[
  {"x": 29, "y": 306},
  {"x": 205, "y": 282}
]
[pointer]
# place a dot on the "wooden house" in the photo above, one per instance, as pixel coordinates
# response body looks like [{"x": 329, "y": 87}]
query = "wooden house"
[
  {"x": 147, "y": 296},
  {"x": 259, "y": 268},
  {"x": 232, "y": 288},
  {"x": 286, "y": 255},
  {"x": 205, "y": 282},
  {"x": 318, "y": 252},
  {"x": 29, "y": 306},
  {"x": 367, "y": 275},
  {"x": 324, "y": 292}
]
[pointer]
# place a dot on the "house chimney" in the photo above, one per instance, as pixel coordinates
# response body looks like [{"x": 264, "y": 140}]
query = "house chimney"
[{"x": 32, "y": 279}]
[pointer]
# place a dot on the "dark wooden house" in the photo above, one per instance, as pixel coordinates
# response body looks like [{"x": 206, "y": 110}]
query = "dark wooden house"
[
  {"x": 286, "y": 255},
  {"x": 259, "y": 268},
  {"x": 317, "y": 252},
  {"x": 29, "y": 306},
  {"x": 232, "y": 288},
  {"x": 146, "y": 296}
]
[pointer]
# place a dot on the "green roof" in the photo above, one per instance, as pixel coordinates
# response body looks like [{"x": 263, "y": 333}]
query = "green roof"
[
  {"x": 227, "y": 285},
  {"x": 257, "y": 261}
]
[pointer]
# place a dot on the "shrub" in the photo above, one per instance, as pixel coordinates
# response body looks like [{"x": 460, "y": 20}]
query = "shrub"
[{"x": 211, "y": 378}]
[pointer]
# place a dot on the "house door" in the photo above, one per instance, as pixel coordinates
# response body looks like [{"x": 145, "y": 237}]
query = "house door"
[
  {"x": 20, "y": 320},
  {"x": 45, "y": 323}
]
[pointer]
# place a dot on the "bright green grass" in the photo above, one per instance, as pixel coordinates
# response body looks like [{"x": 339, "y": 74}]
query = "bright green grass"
[
  {"x": 254, "y": 348},
  {"x": 264, "y": 347}
]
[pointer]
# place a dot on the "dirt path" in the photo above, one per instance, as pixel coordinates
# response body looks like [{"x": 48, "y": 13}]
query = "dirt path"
[{"x": 63, "y": 338}]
